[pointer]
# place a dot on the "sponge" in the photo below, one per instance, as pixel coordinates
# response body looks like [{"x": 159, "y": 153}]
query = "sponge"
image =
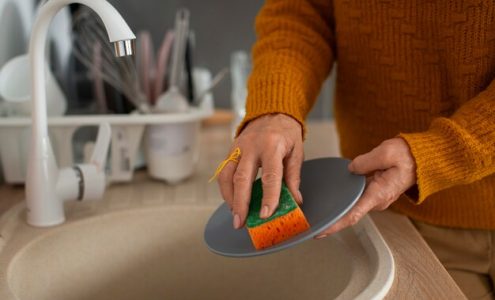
[{"x": 287, "y": 221}]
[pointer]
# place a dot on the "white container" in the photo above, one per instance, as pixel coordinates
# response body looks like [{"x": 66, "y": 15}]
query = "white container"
[{"x": 172, "y": 150}]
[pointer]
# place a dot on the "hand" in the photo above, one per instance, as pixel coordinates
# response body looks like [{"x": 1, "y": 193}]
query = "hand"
[
  {"x": 393, "y": 172},
  {"x": 274, "y": 143}
]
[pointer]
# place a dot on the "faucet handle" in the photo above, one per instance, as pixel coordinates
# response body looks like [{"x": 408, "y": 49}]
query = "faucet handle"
[
  {"x": 93, "y": 183},
  {"x": 100, "y": 151}
]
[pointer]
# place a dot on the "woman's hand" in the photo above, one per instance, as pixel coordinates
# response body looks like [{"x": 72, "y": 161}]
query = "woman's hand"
[
  {"x": 393, "y": 171},
  {"x": 274, "y": 143}
]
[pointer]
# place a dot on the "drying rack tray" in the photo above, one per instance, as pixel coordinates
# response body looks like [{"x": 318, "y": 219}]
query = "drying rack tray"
[{"x": 127, "y": 132}]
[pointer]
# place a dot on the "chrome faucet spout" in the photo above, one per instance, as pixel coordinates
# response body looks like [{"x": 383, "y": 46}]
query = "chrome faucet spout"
[{"x": 124, "y": 48}]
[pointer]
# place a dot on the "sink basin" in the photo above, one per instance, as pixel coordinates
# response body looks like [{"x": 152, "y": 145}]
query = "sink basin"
[{"x": 158, "y": 252}]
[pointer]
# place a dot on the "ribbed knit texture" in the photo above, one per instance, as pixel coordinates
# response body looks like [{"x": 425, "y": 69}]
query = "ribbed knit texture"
[{"x": 419, "y": 69}]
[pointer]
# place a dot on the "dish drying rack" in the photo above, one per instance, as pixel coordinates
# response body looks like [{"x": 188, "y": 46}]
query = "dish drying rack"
[{"x": 127, "y": 133}]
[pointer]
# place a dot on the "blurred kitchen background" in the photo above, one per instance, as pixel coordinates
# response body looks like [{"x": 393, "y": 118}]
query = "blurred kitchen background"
[
  {"x": 85, "y": 79},
  {"x": 221, "y": 27}
]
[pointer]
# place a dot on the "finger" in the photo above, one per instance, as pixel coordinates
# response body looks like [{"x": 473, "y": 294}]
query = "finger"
[
  {"x": 243, "y": 181},
  {"x": 351, "y": 218},
  {"x": 271, "y": 180},
  {"x": 292, "y": 172},
  {"x": 389, "y": 187},
  {"x": 382, "y": 190},
  {"x": 225, "y": 183},
  {"x": 380, "y": 158},
  {"x": 362, "y": 207}
]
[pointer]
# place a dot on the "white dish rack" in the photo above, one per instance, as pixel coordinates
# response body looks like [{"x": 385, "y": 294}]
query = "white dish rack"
[{"x": 127, "y": 132}]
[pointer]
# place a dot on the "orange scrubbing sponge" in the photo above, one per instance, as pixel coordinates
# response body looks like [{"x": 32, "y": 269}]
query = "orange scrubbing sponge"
[{"x": 287, "y": 221}]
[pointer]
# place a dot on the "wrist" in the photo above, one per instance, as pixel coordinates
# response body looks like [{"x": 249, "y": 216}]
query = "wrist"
[{"x": 281, "y": 119}]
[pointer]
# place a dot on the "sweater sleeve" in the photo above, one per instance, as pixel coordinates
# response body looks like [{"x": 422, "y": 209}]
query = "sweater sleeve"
[
  {"x": 291, "y": 58},
  {"x": 456, "y": 150}
]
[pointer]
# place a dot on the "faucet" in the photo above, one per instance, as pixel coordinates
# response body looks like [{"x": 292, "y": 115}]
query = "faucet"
[{"x": 47, "y": 187}]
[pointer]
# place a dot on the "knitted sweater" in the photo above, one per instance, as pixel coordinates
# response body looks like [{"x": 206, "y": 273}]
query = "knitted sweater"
[{"x": 420, "y": 69}]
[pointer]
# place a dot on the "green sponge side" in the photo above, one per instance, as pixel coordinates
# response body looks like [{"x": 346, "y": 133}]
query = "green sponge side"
[{"x": 286, "y": 205}]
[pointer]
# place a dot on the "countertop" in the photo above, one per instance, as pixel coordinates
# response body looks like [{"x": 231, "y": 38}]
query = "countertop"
[{"x": 419, "y": 274}]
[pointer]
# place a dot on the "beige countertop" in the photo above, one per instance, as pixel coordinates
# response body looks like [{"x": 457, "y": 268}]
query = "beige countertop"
[{"x": 419, "y": 274}]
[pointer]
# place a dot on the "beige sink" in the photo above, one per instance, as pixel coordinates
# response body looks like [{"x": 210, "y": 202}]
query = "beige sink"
[{"x": 157, "y": 252}]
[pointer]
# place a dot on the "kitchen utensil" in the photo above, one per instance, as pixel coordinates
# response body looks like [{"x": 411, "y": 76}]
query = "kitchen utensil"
[
  {"x": 146, "y": 64},
  {"x": 16, "y": 90},
  {"x": 189, "y": 68},
  {"x": 214, "y": 82},
  {"x": 119, "y": 72},
  {"x": 163, "y": 55},
  {"x": 202, "y": 81},
  {"x": 329, "y": 192},
  {"x": 173, "y": 100}
]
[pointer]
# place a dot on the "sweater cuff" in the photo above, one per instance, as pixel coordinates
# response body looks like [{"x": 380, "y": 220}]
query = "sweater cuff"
[
  {"x": 439, "y": 157},
  {"x": 275, "y": 94}
]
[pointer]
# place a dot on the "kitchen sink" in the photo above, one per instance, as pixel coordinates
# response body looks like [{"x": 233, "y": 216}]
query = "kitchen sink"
[{"x": 157, "y": 252}]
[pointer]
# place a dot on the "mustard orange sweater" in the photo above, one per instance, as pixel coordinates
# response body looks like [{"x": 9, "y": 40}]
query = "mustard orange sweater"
[{"x": 421, "y": 69}]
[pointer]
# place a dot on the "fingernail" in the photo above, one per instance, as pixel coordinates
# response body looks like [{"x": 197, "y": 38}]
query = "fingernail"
[
  {"x": 264, "y": 212},
  {"x": 237, "y": 221},
  {"x": 300, "y": 196},
  {"x": 321, "y": 236}
]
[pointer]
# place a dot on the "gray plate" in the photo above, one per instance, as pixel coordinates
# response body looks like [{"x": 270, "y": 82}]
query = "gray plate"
[{"x": 329, "y": 191}]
